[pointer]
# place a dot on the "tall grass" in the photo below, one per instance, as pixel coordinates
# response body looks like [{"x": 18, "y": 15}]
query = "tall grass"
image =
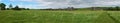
[{"x": 37, "y": 16}]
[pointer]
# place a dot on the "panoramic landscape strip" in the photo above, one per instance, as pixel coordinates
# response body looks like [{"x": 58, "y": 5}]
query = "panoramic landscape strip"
[{"x": 59, "y": 11}]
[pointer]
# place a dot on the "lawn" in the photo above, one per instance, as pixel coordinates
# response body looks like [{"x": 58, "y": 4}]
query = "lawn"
[{"x": 38, "y": 16}]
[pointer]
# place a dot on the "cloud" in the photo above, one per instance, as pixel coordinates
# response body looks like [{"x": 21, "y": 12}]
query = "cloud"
[
  {"x": 74, "y": 3},
  {"x": 108, "y": 3},
  {"x": 81, "y": 3}
]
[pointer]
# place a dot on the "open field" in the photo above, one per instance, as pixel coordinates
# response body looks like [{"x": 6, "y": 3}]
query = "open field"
[{"x": 37, "y": 16}]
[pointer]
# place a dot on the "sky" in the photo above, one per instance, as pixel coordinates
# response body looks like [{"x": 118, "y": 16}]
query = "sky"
[{"x": 43, "y": 4}]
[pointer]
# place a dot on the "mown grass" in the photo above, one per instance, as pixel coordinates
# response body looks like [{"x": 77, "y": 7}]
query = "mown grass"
[{"x": 38, "y": 16}]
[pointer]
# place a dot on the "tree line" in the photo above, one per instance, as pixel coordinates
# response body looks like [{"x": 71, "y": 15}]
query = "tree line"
[
  {"x": 116, "y": 8},
  {"x": 3, "y": 7}
]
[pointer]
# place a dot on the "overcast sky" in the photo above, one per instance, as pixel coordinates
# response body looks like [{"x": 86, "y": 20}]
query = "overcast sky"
[{"x": 41, "y": 4}]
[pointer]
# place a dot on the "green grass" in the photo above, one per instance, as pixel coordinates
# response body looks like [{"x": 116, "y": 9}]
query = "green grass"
[{"x": 38, "y": 16}]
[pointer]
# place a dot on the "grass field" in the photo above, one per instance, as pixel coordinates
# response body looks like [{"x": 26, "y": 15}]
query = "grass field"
[{"x": 37, "y": 16}]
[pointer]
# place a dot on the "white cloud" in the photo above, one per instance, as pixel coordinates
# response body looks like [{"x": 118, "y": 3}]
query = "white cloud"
[
  {"x": 74, "y": 3},
  {"x": 81, "y": 3},
  {"x": 109, "y": 3}
]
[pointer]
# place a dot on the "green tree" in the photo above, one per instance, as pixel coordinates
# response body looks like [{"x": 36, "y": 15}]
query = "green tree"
[
  {"x": 27, "y": 9},
  {"x": 17, "y": 8},
  {"x": 2, "y": 6},
  {"x": 117, "y": 8},
  {"x": 10, "y": 6}
]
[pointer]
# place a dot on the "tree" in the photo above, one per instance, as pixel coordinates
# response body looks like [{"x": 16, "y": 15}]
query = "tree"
[
  {"x": 17, "y": 8},
  {"x": 117, "y": 8},
  {"x": 27, "y": 9},
  {"x": 2, "y": 6},
  {"x": 70, "y": 8},
  {"x": 10, "y": 6}
]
